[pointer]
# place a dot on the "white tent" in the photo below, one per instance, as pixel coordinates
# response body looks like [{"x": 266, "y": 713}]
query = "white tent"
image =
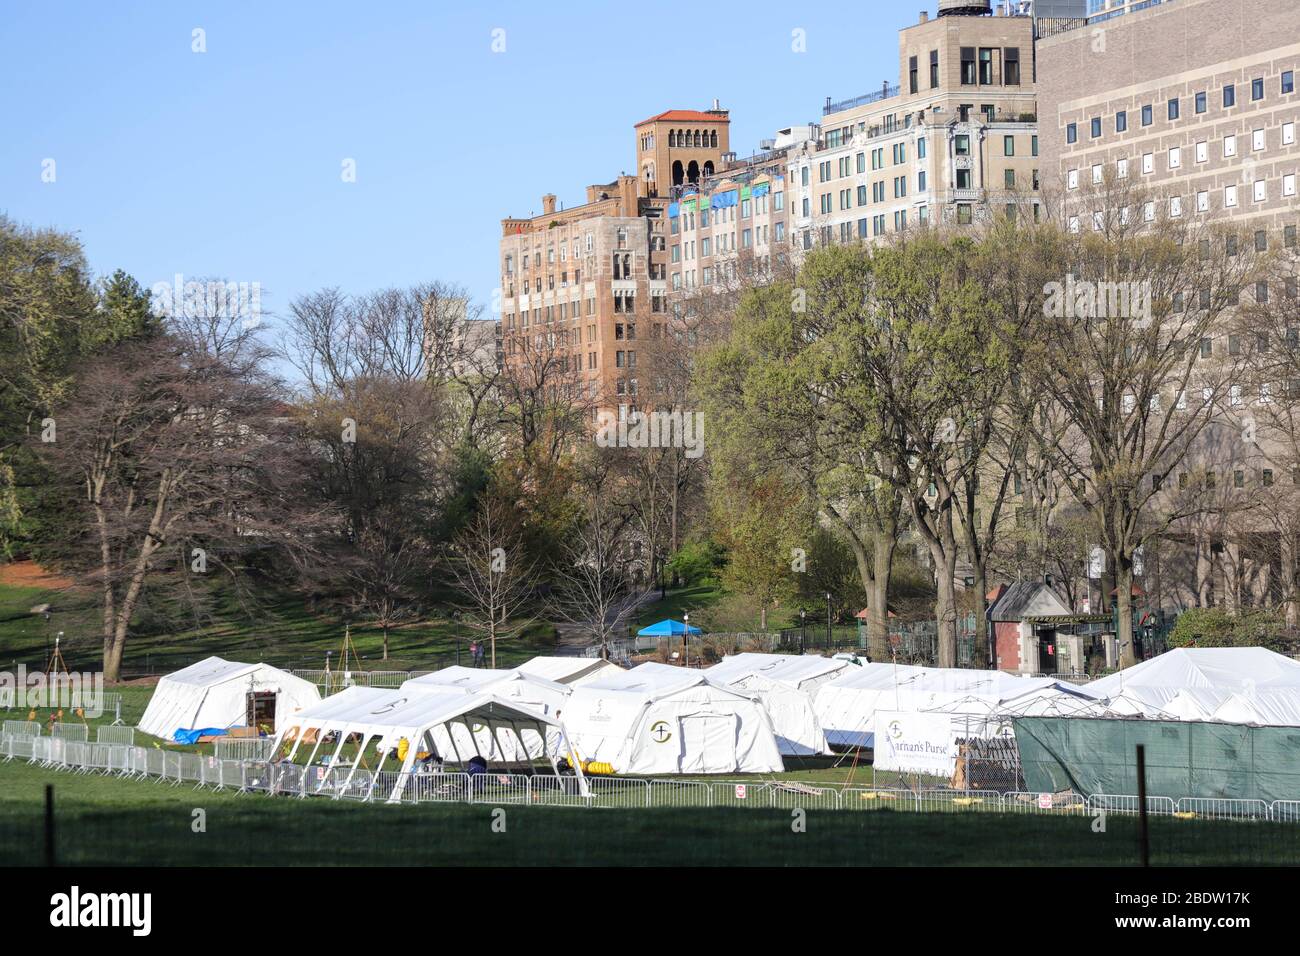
[
  {"x": 536, "y": 693},
  {"x": 979, "y": 702},
  {"x": 568, "y": 670},
  {"x": 215, "y": 693},
  {"x": 386, "y": 716},
  {"x": 1249, "y": 685},
  {"x": 657, "y": 719},
  {"x": 786, "y": 684}
]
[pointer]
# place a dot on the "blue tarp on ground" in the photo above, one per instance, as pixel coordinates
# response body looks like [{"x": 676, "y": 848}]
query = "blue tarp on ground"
[
  {"x": 183, "y": 736},
  {"x": 668, "y": 628}
]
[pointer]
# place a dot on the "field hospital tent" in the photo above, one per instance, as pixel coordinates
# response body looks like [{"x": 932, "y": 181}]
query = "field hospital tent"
[
  {"x": 216, "y": 693},
  {"x": 657, "y": 719},
  {"x": 978, "y": 701},
  {"x": 568, "y": 670},
  {"x": 538, "y": 694},
  {"x": 786, "y": 684},
  {"x": 386, "y": 717},
  {"x": 1240, "y": 685}
]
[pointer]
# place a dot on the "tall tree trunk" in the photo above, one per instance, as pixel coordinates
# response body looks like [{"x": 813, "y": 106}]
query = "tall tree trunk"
[{"x": 1124, "y": 607}]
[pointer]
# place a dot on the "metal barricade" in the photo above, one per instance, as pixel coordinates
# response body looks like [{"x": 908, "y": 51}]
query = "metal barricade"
[
  {"x": 958, "y": 801},
  {"x": 77, "y": 732},
  {"x": 18, "y": 746},
  {"x": 115, "y": 735},
  {"x": 1285, "y": 811},
  {"x": 1222, "y": 808},
  {"x": 287, "y": 778},
  {"x": 256, "y": 776},
  {"x": 423, "y": 787},
  {"x": 231, "y": 775},
  {"x": 243, "y": 748},
  {"x": 1065, "y": 803},
  {"x": 119, "y": 759},
  {"x": 498, "y": 788},
  {"x": 877, "y": 798},
  {"x": 350, "y": 784},
  {"x": 1128, "y": 803},
  {"x": 614, "y": 792},
  {"x": 680, "y": 793},
  {"x": 21, "y": 728},
  {"x": 802, "y": 796},
  {"x": 209, "y": 772},
  {"x": 739, "y": 793},
  {"x": 156, "y": 764}
]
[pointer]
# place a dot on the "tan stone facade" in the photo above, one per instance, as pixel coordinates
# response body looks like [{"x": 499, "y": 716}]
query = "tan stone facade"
[{"x": 955, "y": 141}]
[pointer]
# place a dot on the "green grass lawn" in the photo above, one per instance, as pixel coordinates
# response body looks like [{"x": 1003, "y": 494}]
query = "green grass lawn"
[
  {"x": 279, "y": 630},
  {"x": 107, "y": 821}
]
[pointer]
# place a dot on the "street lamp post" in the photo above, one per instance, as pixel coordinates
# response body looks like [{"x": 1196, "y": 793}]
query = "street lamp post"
[
  {"x": 686, "y": 640},
  {"x": 828, "y": 620},
  {"x": 803, "y": 627}
]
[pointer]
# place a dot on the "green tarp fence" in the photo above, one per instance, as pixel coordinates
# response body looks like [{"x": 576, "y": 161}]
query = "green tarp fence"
[{"x": 1183, "y": 759}]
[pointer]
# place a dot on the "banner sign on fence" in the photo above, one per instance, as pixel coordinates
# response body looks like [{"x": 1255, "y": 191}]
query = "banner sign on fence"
[{"x": 915, "y": 743}]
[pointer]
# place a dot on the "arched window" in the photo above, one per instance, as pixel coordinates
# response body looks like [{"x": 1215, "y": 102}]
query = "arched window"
[
  {"x": 693, "y": 172},
  {"x": 672, "y": 138},
  {"x": 713, "y": 139},
  {"x": 697, "y": 137},
  {"x": 708, "y": 168},
  {"x": 678, "y": 174}
]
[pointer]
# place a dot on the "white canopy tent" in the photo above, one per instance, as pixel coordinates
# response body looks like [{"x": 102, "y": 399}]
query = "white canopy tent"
[
  {"x": 1246, "y": 685},
  {"x": 215, "y": 693},
  {"x": 978, "y": 701},
  {"x": 536, "y": 693},
  {"x": 658, "y": 719},
  {"x": 786, "y": 684},
  {"x": 386, "y": 716},
  {"x": 568, "y": 670}
]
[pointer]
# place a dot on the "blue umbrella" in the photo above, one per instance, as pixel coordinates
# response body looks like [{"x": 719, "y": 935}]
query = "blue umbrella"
[{"x": 668, "y": 628}]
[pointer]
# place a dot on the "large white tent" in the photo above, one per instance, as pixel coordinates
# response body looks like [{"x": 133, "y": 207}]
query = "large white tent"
[
  {"x": 215, "y": 693},
  {"x": 978, "y": 701},
  {"x": 658, "y": 719},
  {"x": 568, "y": 670},
  {"x": 1243, "y": 685},
  {"x": 536, "y": 693},
  {"x": 786, "y": 684},
  {"x": 385, "y": 717}
]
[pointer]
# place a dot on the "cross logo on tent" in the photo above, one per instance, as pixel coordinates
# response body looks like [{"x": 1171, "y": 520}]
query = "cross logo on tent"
[{"x": 660, "y": 733}]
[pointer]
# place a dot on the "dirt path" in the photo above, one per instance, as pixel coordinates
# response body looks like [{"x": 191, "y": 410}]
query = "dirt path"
[{"x": 29, "y": 574}]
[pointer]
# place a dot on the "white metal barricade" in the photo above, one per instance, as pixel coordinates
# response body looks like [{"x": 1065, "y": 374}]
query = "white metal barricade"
[
  {"x": 1129, "y": 803},
  {"x": 558, "y": 791},
  {"x": 1223, "y": 808},
  {"x": 958, "y": 801},
  {"x": 78, "y": 732},
  {"x": 625, "y": 792},
  {"x": 243, "y": 748},
  {"x": 424, "y": 787},
  {"x": 115, "y": 735},
  {"x": 680, "y": 793},
  {"x": 877, "y": 798},
  {"x": 802, "y": 796},
  {"x": 21, "y": 728},
  {"x": 498, "y": 788},
  {"x": 156, "y": 764},
  {"x": 1060, "y": 804},
  {"x": 1285, "y": 811},
  {"x": 231, "y": 775}
]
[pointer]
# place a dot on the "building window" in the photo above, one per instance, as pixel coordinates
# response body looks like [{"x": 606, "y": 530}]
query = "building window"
[
  {"x": 1147, "y": 116},
  {"x": 1173, "y": 108},
  {"x": 1201, "y": 104},
  {"x": 968, "y": 66},
  {"x": 1288, "y": 82},
  {"x": 1229, "y": 96},
  {"x": 986, "y": 67},
  {"x": 962, "y": 145},
  {"x": 1121, "y": 121},
  {"x": 1096, "y": 127},
  {"x": 1011, "y": 66},
  {"x": 1257, "y": 89},
  {"x": 912, "y": 78},
  {"x": 963, "y": 214},
  {"x": 1033, "y": 146},
  {"x": 1072, "y": 133},
  {"x": 1008, "y": 146}
]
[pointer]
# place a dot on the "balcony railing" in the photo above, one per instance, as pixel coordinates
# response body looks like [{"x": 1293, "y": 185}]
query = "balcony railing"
[{"x": 882, "y": 94}]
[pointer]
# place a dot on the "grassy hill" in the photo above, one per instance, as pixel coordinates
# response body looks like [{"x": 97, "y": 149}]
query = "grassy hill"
[{"x": 275, "y": 627}]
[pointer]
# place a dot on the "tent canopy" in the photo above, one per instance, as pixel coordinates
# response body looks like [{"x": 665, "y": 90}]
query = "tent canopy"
[
  {"x": 214, "y": 693},
  {"x": 1233, "y": 684},
  {"x": 567, "y": 670},
  {"x": 657, "y": 719},
  {"x": 785, "y": 683},
  {"x": 798, "y": 670},
  {"x": 669, "y": 628}
]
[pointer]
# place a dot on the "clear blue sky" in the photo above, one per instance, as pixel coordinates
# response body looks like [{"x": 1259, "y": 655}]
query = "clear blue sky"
[{"x": 228, "y": 163}]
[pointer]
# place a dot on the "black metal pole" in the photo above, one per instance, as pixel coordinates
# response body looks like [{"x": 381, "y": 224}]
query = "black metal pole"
[
  {"x": 49, "y": 824},
  {"x": 828, "y": 620},
  {"x": 1144, "y": 842}
]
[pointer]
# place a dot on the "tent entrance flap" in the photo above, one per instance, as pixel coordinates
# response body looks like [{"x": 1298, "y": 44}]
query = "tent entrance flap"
[
  {"x": 708, "y": 743},
  {"x": 261, "y": 709}
]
